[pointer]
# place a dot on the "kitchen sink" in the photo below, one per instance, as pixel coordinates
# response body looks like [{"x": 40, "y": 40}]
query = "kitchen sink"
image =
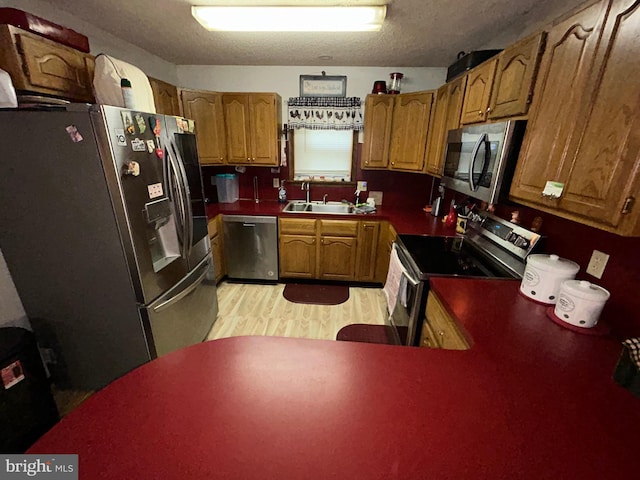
[{"x": 335, "y": 208}]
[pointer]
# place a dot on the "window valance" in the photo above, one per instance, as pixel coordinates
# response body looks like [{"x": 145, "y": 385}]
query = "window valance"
[{"x": 325, "y": 113}]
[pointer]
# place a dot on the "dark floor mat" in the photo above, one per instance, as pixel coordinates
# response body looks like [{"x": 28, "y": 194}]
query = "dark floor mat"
[
  {"x": 359, "y": 332},
  {"x": 316, "y": 294}
]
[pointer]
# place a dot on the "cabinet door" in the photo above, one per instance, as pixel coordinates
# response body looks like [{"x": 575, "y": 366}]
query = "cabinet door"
[
  {"x": 411, "y": 115},
  {"x": 478, "y": 93},
  {"x": 205, "y": 109},
  {"x": 236, "y": 116},
  {"x": 515, "y": 72},
  {"x": 218, "y": 258},
  {"x": 445, "y": 332},
  {"x": 337, "y": 258},
  {"x": 377, "y": 131},
  {"x": 445, "y": 117},
  {"x": 165, "y": 97},
  {"x": 263, "y": 115},
  {"x": 433, "y": 162},
  {"x": 55, "y": 68},
  {"x": 555, "y": 112},
  {"x": 368, "y": 233},
  {"x": 297, "y": 256},
  {"x": 601, "y": 172}
]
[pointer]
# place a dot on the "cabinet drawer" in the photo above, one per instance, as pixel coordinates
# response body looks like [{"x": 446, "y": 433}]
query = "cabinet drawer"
[
  {"x": 55, "y": 67},
  {"x": 298, "y": 226},
  {"x": 444, "y": 329},
  {"x": 340, "y": 228}
]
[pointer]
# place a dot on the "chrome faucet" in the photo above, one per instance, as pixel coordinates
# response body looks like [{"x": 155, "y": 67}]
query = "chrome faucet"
[
  {"x": 324, "y": 198},
  {"x": 305, "y": 186}
]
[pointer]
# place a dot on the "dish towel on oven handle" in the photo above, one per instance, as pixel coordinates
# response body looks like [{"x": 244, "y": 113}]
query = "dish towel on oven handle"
[
  {"x": 395, "y": 286},
  {"x": 633, "y": 345}
]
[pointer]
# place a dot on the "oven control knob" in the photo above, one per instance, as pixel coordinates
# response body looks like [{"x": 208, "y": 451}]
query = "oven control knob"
[{"x": 521, "y": 242}]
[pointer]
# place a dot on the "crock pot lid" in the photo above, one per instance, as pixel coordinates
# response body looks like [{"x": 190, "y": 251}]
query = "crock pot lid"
[
  {"x": 553, "y": 262},
  {"x": 584, "y": 289}
]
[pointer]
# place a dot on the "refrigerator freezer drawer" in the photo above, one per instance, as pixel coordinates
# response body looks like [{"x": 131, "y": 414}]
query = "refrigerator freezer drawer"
[{"x": 184, "y": 315}]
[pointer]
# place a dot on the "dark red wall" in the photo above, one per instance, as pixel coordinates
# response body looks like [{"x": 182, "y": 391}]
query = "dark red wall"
[{"x": 565, "y": 238}]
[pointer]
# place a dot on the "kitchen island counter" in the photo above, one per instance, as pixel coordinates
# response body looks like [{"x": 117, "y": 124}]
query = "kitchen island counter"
[
  {"x": 404, "y": 220},
  {"x": 529, "y": 400}
]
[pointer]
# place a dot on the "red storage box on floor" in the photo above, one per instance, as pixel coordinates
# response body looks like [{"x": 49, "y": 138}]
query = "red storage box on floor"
[{"x": 52, "y": 31}]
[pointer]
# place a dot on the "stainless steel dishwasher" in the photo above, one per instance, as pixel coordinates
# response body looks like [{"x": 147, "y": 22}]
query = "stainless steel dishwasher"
[{"x": 251, "y": 247}]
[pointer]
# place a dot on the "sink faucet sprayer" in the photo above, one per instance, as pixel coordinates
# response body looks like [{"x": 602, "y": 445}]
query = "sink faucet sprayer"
[{"x": 356, "y": 200}]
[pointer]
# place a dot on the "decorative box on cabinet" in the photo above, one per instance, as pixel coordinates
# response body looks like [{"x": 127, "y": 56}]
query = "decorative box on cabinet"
[
  {"x": 41, "y": 66},
  {"x": 584, "y": 123}
]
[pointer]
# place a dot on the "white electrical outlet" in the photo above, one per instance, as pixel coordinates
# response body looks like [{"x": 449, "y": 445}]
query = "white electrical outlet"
[
  {"x": 362, "y": 186},
  {"x": 597, "y": 263},
  {"x": 276, "y": 183}
]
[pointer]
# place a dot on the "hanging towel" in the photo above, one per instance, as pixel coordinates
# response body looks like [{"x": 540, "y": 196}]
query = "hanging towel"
[{"x": 395, "y": 287}]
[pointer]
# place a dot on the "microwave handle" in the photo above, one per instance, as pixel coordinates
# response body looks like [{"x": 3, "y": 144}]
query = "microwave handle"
[{"x": 474, "y": 156}]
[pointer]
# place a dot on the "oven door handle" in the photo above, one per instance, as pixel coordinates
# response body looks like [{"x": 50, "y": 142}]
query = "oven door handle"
[
  {"x": 411, "y": 279},
  {"x": 474, "y": 156}
]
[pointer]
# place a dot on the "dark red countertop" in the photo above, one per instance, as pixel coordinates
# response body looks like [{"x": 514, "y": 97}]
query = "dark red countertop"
[
  {"x": 404, "y": 220},
  {"x": 529, "y": 400}
]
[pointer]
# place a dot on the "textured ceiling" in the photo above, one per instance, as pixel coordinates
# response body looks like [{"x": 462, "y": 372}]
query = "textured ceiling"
[{"x": 418, "y": 33}]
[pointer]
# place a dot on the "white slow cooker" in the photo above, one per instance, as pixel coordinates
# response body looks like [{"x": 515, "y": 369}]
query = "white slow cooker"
[
  {"x": 543, "y": 276},
  {"x": 580, "y": 303}
]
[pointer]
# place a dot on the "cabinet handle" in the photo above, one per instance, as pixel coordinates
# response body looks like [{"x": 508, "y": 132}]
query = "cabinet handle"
[
  {"x": 313, "y": 241},
  {"x": 480, "y": 112},
  {"x": 488, "y": 109},
  {"x": 441, "y": 333},
  {"x": 322, "y": 241},
  {"x": 393, "y": 163}
]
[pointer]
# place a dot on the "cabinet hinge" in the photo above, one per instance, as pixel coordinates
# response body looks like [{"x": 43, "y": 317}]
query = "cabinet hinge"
[{"x": 628, "y": 204}]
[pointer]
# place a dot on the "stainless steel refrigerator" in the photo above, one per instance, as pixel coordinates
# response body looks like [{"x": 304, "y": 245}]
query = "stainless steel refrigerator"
[{"x": 104, "y": 231}]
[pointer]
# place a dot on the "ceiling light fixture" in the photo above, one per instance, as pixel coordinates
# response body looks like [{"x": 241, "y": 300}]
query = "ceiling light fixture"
[{"x": 291, "y": 18}]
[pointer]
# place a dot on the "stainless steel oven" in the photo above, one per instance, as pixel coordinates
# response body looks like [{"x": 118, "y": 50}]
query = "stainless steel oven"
[{"x": 491, "y": 248}]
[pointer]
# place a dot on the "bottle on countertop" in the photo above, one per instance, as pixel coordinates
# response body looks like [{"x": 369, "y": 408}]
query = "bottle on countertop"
[
  {"x": 282, "y": 193},
  {"x": 452, "y": 217},
  {"x": 127, "y": 94}
]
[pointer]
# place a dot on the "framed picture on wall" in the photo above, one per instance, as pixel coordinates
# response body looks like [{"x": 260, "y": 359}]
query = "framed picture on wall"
[{"x": 323, "y": 85}]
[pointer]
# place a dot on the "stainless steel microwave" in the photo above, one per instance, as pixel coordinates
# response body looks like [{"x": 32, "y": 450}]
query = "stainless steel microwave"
[{"x": 480, "y": 159}]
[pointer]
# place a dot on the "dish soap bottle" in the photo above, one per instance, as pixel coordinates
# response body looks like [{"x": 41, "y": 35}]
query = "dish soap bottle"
[
  {"x": 282, "y": 193},
  {"x": 451, "y": 219}
]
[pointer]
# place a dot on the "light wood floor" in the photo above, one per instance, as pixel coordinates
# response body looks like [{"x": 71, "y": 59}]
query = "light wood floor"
[{"x": 250, "y": 309}]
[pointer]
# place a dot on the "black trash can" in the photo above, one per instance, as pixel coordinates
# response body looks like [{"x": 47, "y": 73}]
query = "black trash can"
[{"x": 27, "y": 408}]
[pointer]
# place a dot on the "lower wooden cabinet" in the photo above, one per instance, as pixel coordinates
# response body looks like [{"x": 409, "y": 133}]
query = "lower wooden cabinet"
[
  {"x": 368, "y": 239},
  {"x": 297, "y": 256},
  {"x": 215, "y": 237},
  {"x": 329, "y": 249},
  {"x": 439, "y": 330}
]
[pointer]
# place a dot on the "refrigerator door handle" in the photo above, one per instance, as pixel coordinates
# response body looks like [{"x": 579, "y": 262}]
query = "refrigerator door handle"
[
  {"x": 183, "y": 293},
  {"x": 176, "y": 178},
  {"x": 187, "y": 198}
]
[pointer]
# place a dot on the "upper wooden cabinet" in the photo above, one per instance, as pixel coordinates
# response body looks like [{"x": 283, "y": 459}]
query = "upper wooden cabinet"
[
  {"x": 38, "y": 65},
  {"x": 205, "y": 108},
  {"x": 165, "y": 97},
  {"x": 253, "y": 122},
  {"x": 502, "y": 87},
  {"x": 512, "y": 89},
  {"x": 478, "y": 92},
  {"x": 584, "y": 127},
  {"x": 378, "y": 113},
  {"x": 409, "y": 129},
  {"x": 445, "y": 116}
]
